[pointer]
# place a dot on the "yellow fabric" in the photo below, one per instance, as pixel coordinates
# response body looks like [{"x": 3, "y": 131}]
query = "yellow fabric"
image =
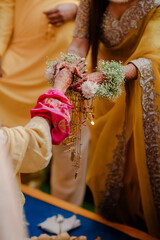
[
  {"x": 23, "y": 64},
  {"x": 30, "y": 147},
  {"x": 6, "y": 23},
  {"x": 120, "y": 122}
]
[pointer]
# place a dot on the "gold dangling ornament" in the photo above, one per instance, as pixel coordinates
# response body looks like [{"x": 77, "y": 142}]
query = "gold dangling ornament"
[{"x": 82, "y": 111}]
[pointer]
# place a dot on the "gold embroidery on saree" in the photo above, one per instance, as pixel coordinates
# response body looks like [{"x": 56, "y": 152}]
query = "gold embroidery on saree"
[
  {"x": 114, "y": 182},
  {"x": 151, "y": 126},
  {"x": 151, "y": 130},
  {"x": 114, "y": 30},
  {"x": 82, "y": 20}
]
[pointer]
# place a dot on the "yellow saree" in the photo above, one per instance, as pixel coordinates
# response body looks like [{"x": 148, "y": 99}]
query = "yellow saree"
[
  {"x": 24, "y": 61},
  {"x": 124, "y": 166}
]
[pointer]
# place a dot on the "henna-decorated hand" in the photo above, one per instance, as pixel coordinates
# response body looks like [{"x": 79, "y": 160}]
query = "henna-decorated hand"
[
  {"x": 78, "y": 67},
  {"x": 64, "y": 76},
  {"x": 63, "y": 80},
  {"x": 96, "y": 77}
]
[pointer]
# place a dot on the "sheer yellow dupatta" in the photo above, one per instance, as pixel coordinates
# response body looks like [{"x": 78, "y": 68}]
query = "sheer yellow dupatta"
[{"x": 124, "y": 172}]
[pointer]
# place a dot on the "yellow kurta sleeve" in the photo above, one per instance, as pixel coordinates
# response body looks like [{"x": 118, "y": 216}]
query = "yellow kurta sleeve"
[
  {"x": 30, "y": 147},
  {"x": 6, "y": 23}
]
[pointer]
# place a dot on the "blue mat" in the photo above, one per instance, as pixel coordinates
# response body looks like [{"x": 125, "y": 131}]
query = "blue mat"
[{"x": 37, "y": 211}]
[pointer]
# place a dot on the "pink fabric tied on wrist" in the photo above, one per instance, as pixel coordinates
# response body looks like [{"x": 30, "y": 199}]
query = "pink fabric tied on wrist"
[{"x": 55, "y": 106}]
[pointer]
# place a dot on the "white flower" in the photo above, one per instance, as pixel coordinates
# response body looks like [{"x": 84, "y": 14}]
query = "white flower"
[
  {"x": 49, "y": 72},
  {"x": 89, "y": 89}
]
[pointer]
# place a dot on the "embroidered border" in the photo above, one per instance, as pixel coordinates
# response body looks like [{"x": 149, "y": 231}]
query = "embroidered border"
[
  {"x": 114, "y": 182},
  {"x": 114, "y": 30},
  {"x": 81, "y": 29},
  {"x": 151, "y": 127}
]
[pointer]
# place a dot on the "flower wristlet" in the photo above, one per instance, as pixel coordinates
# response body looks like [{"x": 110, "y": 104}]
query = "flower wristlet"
[
  {"x": 113, "y": 81},
  {"x": 55, "y": 106}
]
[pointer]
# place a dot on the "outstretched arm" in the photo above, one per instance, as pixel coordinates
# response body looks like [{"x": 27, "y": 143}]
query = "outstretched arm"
[{"x": 108, "y": 81}]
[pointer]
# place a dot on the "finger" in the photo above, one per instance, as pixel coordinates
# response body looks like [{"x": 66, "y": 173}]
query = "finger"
[
  {"x": 57, "y": 69},
  {"x": 79, "y": 61},
  {"x": 79, "y": 73},
  {"x": 56, "y": 22},
  {"x": 75, "y": 88},
  {"x": 81, "y": 66},
  {"x": 54, "y": 16},
  {"x": 77, "y": 84},
  {"x": 59, "y": 66},
  {"x": 78, "y": 89},
  {"x": 84, "y": 71},
  {"x": 51, "y": 11}
]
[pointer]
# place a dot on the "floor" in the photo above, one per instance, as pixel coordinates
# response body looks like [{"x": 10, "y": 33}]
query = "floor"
[{"x": 41, "y": 179}]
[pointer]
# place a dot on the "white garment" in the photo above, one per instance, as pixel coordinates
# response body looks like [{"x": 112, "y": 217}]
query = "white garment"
[
  {"x": 63, "y": 183},
  {"x": 11, "y": 224}
]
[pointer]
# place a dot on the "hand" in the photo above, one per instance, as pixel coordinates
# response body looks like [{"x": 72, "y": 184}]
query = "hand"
[
  {"x": 63, "y": 80},
  {"x": 96, "y": 77},
  {"x": 64, "y": 76},
  {"x": 77, "y": 67},
  {"x": 0, "y": 67},
  {"x": 61, "y": 13}
]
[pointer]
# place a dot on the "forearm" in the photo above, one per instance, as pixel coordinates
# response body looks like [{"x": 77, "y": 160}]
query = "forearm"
[
  {"x": 34, "y": 143},
  {"x": 79, "y": 47},
  {"x": 39, "y": 149},
  {"x": 131, "y": 72}
]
